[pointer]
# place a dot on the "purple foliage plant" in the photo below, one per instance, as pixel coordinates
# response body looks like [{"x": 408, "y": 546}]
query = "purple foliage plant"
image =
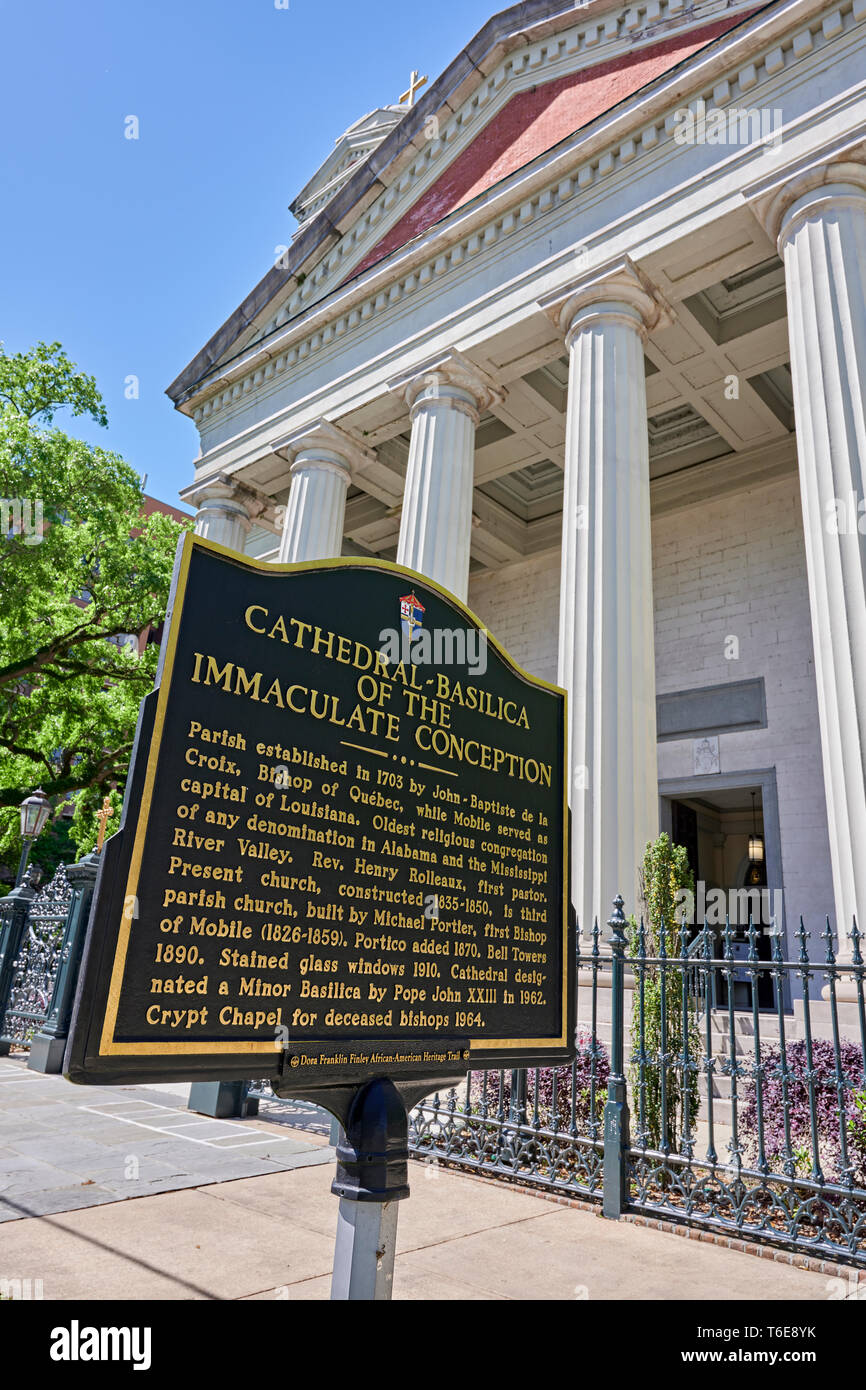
[
  {"x": 826, "y": 1109},
  {"x": 486, "y": 1085}
]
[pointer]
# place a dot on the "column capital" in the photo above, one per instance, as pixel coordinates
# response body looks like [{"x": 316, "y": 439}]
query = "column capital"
[
  {"x": 448, "y": 379},
  {"x": 323, "y": 442},
  {"x": 226, "y": 508},
  {"x": 224, "y": 491},
  {"x": 834, "y": 177},
  {"x": 613, "y": 291}
]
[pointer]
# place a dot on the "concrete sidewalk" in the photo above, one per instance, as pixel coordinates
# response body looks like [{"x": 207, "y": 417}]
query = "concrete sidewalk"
[
  {"x": 459, "y": 1238},
  {"x": 121, "y": 1191},
  {"x": 64, "y": 1147}
]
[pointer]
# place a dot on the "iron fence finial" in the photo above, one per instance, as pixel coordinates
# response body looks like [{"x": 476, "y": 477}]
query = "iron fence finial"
[
  {"x": 856, "y": 936},
  {"x": 617, "y": 922}
]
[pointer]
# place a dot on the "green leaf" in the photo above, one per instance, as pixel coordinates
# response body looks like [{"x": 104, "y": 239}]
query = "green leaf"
[{"x": 99, "y": 570}]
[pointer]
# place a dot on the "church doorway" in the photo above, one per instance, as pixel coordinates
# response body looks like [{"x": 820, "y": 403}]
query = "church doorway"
[{"x": 729, "y": 829}]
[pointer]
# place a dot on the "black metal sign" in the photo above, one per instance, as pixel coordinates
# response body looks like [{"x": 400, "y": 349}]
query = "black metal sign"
[{"x": 344, "y": 843}]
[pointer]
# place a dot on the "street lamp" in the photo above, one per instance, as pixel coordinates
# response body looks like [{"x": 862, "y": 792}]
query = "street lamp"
[{"x": 34, "y": 810}]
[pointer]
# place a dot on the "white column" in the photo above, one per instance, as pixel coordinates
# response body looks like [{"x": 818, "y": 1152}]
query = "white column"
[
  {"x": 322, "y": 457},
  {"x": 222, "y": 512},
  {"x": 606, "y": 646},
  {"x": 316, "y": 512},
  {"x": 446, "y": 398},
  {"x": 820, "y": 223}
]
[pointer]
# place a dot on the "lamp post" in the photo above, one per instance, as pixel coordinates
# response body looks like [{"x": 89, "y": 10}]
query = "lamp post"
[{"x": 35, "y": 810}]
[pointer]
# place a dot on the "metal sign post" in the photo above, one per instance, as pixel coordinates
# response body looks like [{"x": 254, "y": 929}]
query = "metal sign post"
[{"x": 372, "y": 1177}]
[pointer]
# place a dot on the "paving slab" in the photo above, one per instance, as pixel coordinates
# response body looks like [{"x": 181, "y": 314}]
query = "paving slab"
[
  {"x": 66, "y": 1147},
  {"x": 569, "y": 1253},
  {"x": 437, "y": 1205},
  {"x": 180, "y": 1245}
]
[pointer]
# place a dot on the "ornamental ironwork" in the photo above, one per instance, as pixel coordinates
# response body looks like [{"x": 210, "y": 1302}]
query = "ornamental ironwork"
[
  {"x": 37, "y": 961},
  {"x": 746, "y": 1093},
  {"x": 745, "y": 1087}
]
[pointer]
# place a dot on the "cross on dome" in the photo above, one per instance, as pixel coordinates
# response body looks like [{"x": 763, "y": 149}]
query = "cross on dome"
[{"x": 415, "y": 85}]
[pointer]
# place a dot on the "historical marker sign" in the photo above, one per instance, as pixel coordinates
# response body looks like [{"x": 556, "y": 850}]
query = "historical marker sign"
[{"x": 344, "y": 842}]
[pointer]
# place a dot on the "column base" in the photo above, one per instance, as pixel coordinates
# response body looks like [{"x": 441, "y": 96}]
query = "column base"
[
  {"x": 846, "y": 991},
  {"x": 46, "y": 1054},
  {"x": 224, "y": 1100}
]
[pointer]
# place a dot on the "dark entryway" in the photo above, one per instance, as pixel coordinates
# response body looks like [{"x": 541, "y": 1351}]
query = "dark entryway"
[{"x": 725, "y": 837}]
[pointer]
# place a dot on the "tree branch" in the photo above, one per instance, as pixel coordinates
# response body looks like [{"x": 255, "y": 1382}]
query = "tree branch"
[
  {"x": 95, "y": 773},
  {"x": 54, "y": 651}
]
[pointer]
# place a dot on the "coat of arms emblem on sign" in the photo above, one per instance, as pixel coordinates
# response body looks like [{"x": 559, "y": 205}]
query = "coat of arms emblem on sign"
[{"x": 411, "y": 614}]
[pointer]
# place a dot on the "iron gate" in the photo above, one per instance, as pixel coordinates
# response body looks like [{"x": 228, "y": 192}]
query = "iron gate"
[{"x": 37, "y": 959}]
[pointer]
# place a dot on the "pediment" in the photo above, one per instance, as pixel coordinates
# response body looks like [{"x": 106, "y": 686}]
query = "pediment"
[
  {"x": 504, "y": 102},
  {"x": 350, "y": 149},
  {"x": 536, "y": 119}
]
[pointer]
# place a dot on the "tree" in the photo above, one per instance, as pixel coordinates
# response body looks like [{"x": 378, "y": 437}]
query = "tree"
[
  {"x": 98, "y": 572},
  {"x": 664, "y": 873}
]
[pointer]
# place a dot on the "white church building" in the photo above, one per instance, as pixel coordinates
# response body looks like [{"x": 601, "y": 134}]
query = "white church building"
[{"x": 578, "y": 330}]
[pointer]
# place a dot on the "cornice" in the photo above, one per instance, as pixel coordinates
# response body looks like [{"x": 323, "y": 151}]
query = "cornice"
[{"x": 349, "y": 151}]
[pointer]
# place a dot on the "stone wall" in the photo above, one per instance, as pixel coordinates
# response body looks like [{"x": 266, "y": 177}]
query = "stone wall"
[{"x": 734, "y": 567}]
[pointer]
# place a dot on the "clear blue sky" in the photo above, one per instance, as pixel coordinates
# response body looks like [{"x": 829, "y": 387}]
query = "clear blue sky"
[{"x": 132, "y": 252}]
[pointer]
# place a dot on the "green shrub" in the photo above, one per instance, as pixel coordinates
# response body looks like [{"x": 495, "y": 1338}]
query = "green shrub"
[{"x": 664, "y": 874}]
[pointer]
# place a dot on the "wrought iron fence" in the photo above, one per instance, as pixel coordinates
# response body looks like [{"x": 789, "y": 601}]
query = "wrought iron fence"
[
  {"x": 744, "y": 1080},
  {"x": 35, "y": 948},
  {"x": 542, "y": 1125}
]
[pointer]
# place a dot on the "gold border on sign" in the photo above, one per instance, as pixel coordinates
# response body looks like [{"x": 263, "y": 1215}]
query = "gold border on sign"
[{"x": 108, "y": 1046}]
